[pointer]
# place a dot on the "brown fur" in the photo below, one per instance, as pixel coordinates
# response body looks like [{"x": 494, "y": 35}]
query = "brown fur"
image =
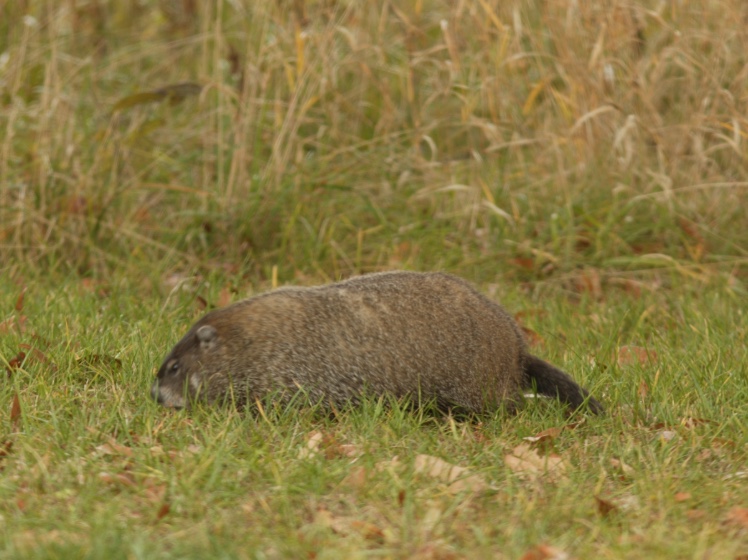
[{"x": 426, "y": 336}]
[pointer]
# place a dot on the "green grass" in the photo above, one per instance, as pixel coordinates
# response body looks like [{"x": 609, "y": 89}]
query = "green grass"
[{"x": 584, "y": 165}]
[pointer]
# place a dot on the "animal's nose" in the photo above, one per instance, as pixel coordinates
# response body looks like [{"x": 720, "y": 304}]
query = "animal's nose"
[{"x": 156, "y": 394}]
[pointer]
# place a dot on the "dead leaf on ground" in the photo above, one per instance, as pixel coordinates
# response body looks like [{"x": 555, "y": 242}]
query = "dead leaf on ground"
[
  {"x": 682, "y": 496},
  {"x": 162, "y": 511},
  {"x": 698, "y": 248},
  {"x": 357, "y": 478},
  {"x": 15, "y": 363},
  {"x": 544, "y": 438},
  {"x": 633, "y": 287},
  {"x": 98, "y": 287},
  {"x": 525, "y": 462},
  {"x": 15, "y": 413},
  {"x": 690, "y": 422},
  {"x": 533, "y": 338},
  {"x": 589, "y": 281},
  {"x": 737, "y": 518},
  {"x": 17, "y": 324},
  {"x": 224, "y": 297},
  {"x": 643, "y": 390},
  {"x": 5, "y": 448},
  {"x": 348, "y": 525},
  {"x": 35, "y": 353},
  {"x": 606, "y": 508},
  {"x": 114, "y": 448},
  {"x": 695, "y": 514},
  {"x": 155, "y": 490},
  {"x": 179, "y": 280},
  {"x": 525, "y": 263},
  {"x": 435, "y": 551},
  {"x": 122, "y": 479},
  {"x": 545, "y": 552},
  {"x": 628, "y": 355},
  {"x": 328, "y": 445},
  {"x": 19, "y": 301},
  {"x": 667, "y": 435},
  {"x": 459, "y": 479},
  {"x": 313, "y": 443},
  {"x": 100, "y": 361},
  {"x": 429, "y": 521}
]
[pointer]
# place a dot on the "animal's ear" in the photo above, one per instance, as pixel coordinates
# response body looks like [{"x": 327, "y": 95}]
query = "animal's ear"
[{"x": 207, "y": 336}]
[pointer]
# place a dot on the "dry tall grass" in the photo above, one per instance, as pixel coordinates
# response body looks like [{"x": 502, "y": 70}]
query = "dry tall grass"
[{"x": 336, "y": 136}]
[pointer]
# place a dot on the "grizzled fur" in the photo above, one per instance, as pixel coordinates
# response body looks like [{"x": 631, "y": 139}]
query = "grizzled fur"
[{"x": 427, "y": 336}]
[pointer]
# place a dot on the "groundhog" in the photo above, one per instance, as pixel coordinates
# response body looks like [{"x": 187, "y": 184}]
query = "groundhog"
[{"x": 424, "y": 337}]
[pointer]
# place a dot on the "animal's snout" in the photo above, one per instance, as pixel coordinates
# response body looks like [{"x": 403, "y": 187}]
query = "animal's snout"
[
  {"x": 164, "y": 396},
  {"x": 156, "y": 394}
]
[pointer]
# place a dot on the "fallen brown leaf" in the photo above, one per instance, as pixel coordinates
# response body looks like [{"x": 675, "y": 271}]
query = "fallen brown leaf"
[
  {"x": 667, "y": 435},
  {"x": 544, "y": 552},
  {"x": 100, "y": 361},
  {"x": 459, "y": 479},
  {"x": 357, "y": 478},
  {"x": 690, "y": 422},
  {"x": 589, "y": 281},
  {"x": 19, "y": 301},
  {"x": 737, "y": 518},
  {"x": 162, "y": 511},
  {"x": 114, "y": 448},
  {"x": 698, "y": 248},
  {"x": 605, "y": 508},
  {"x": 695, "y": 514},
  {"x": 6, "y": 448},
  {"x": 17, "y": 324},
  {"x": 401, "y": 498},
  {"x": 347, "y": 525},
  {"x": 94, "y": 286},
  {"x": 15, "y": 363},
  {"x": 682, "y": 496},
  {"x": 545, "y": 437},
  {"x": 224, "y": 297},
  {"x": 155, "y": 491},
  {"x": 633, "y": 287},
  {"x": 15, "y": 413},
  {"x": 525, "y": 462},
  {"x": 628, "y": 355},
  {"x": 533, "y": 338},
  {"x": 124, "y": 479},
  {"x": 327, "y": 444},
  {"x": 34, "y": 353},
  {"x": 523, "y": 262},
  {"x": 434, "y": 551},
  {"x": 313, "y": 442},
  {"x": 643, "y": 389}
]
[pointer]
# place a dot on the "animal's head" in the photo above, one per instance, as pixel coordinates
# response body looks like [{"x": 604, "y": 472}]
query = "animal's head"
[{"x": 186, "y": 371}]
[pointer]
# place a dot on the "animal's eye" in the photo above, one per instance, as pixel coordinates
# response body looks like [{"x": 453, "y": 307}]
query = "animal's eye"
[{"x": 174, "y": 367}]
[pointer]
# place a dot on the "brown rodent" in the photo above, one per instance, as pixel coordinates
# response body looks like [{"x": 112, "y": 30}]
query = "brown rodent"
[{"x": 423, "y": 336}]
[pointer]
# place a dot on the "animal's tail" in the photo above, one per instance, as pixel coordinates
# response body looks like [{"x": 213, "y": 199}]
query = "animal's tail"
[{"x": 549, "y": 380}]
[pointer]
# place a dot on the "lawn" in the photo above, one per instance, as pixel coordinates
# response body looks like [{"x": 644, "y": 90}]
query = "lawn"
[{"x": 583, "y": 165}]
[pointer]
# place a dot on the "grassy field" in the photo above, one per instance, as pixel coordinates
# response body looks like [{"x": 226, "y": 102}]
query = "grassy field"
[{"x": 583, "y": 164}]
